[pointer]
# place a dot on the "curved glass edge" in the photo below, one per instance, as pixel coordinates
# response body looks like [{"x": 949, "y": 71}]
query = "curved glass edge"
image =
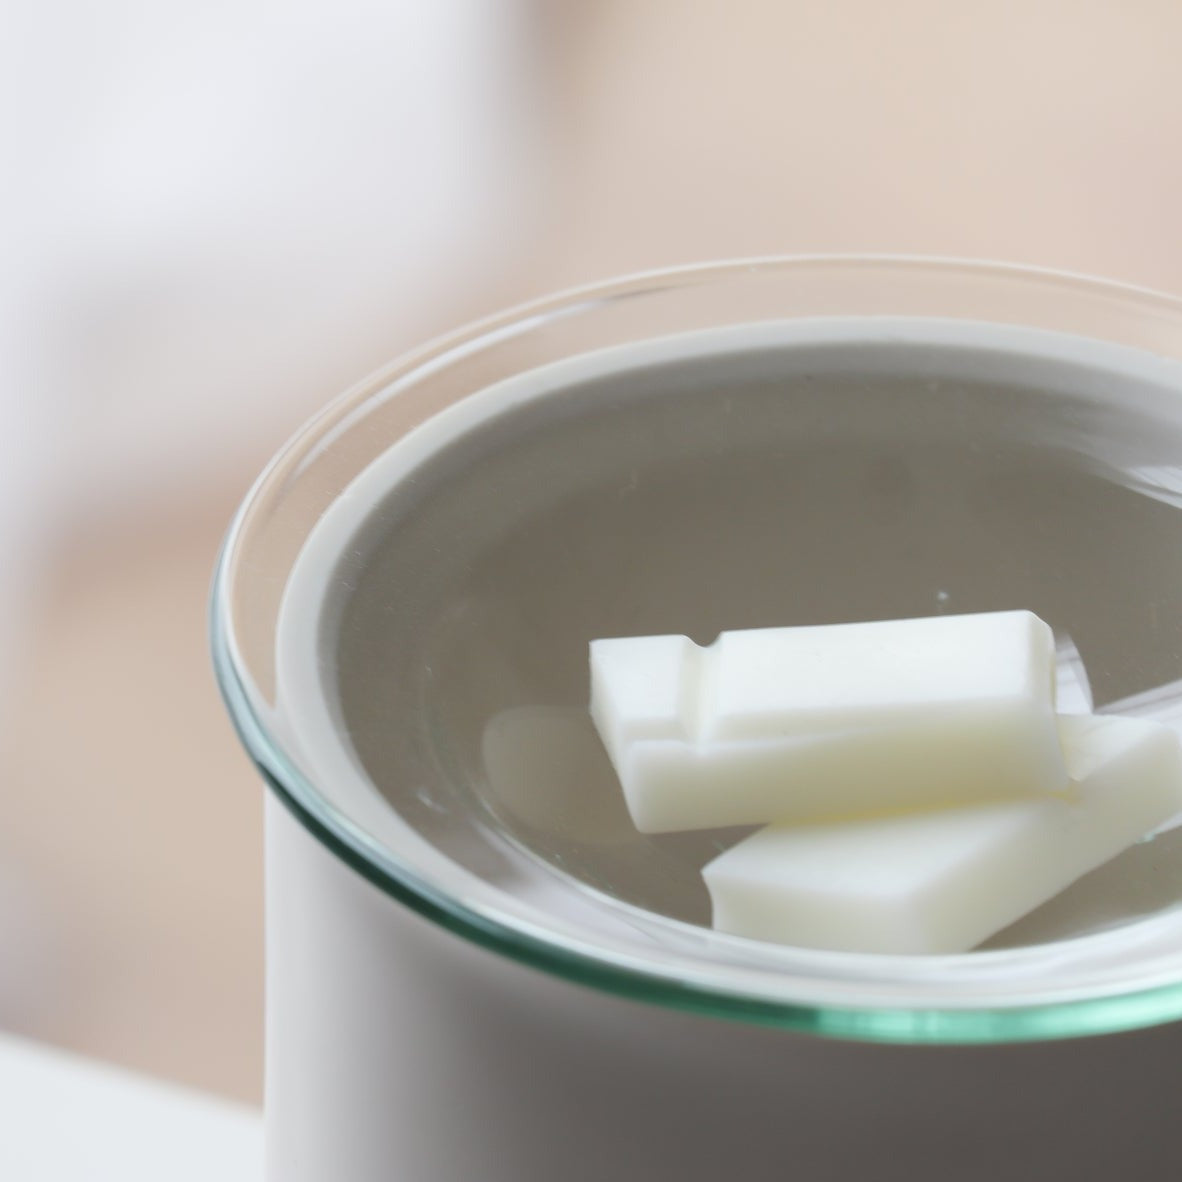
[
  {"x": 1104, "y": 1015},
  {"x": 570, "y": 300}
]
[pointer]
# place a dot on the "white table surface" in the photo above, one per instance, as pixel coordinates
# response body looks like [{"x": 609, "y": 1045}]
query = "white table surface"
[{"x": 66, "y": 1119}]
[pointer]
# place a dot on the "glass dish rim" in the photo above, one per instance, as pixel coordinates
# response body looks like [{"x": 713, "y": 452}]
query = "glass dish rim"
[{"x": 377, "y": 864}]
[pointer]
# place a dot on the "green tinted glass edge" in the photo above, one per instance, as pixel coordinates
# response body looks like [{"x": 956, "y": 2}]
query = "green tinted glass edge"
[{"x": 1092, "y": 1016}]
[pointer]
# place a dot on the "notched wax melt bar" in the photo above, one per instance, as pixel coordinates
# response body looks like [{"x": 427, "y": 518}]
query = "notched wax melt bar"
[
  {"x": 941, "y": 882},
  {"x": 796, "y": 724}
]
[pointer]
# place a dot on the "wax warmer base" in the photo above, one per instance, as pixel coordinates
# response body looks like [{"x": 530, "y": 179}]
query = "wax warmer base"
[{"x": 398, "y": 1052}]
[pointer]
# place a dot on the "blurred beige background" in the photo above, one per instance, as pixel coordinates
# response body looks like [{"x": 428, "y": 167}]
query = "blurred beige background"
[{"x": 628, "y": 136}]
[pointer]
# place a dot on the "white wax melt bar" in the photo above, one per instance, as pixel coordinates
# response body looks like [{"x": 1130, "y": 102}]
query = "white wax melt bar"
[
  {"x": 784, "y": 724},
  {"x": 942, "y": 882}
]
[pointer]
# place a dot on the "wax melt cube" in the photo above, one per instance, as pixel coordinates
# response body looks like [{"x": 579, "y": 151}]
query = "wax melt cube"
[
  {"x": 943, "y": 881},
  {"x": 783, "y": 724}
]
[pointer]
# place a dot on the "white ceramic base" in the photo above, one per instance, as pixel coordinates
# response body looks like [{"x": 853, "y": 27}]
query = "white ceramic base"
[{"x": 397, "y": 1052}]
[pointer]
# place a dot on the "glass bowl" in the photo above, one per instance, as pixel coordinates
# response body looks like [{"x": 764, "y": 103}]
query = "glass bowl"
[{"x": 403, "y": 604}]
